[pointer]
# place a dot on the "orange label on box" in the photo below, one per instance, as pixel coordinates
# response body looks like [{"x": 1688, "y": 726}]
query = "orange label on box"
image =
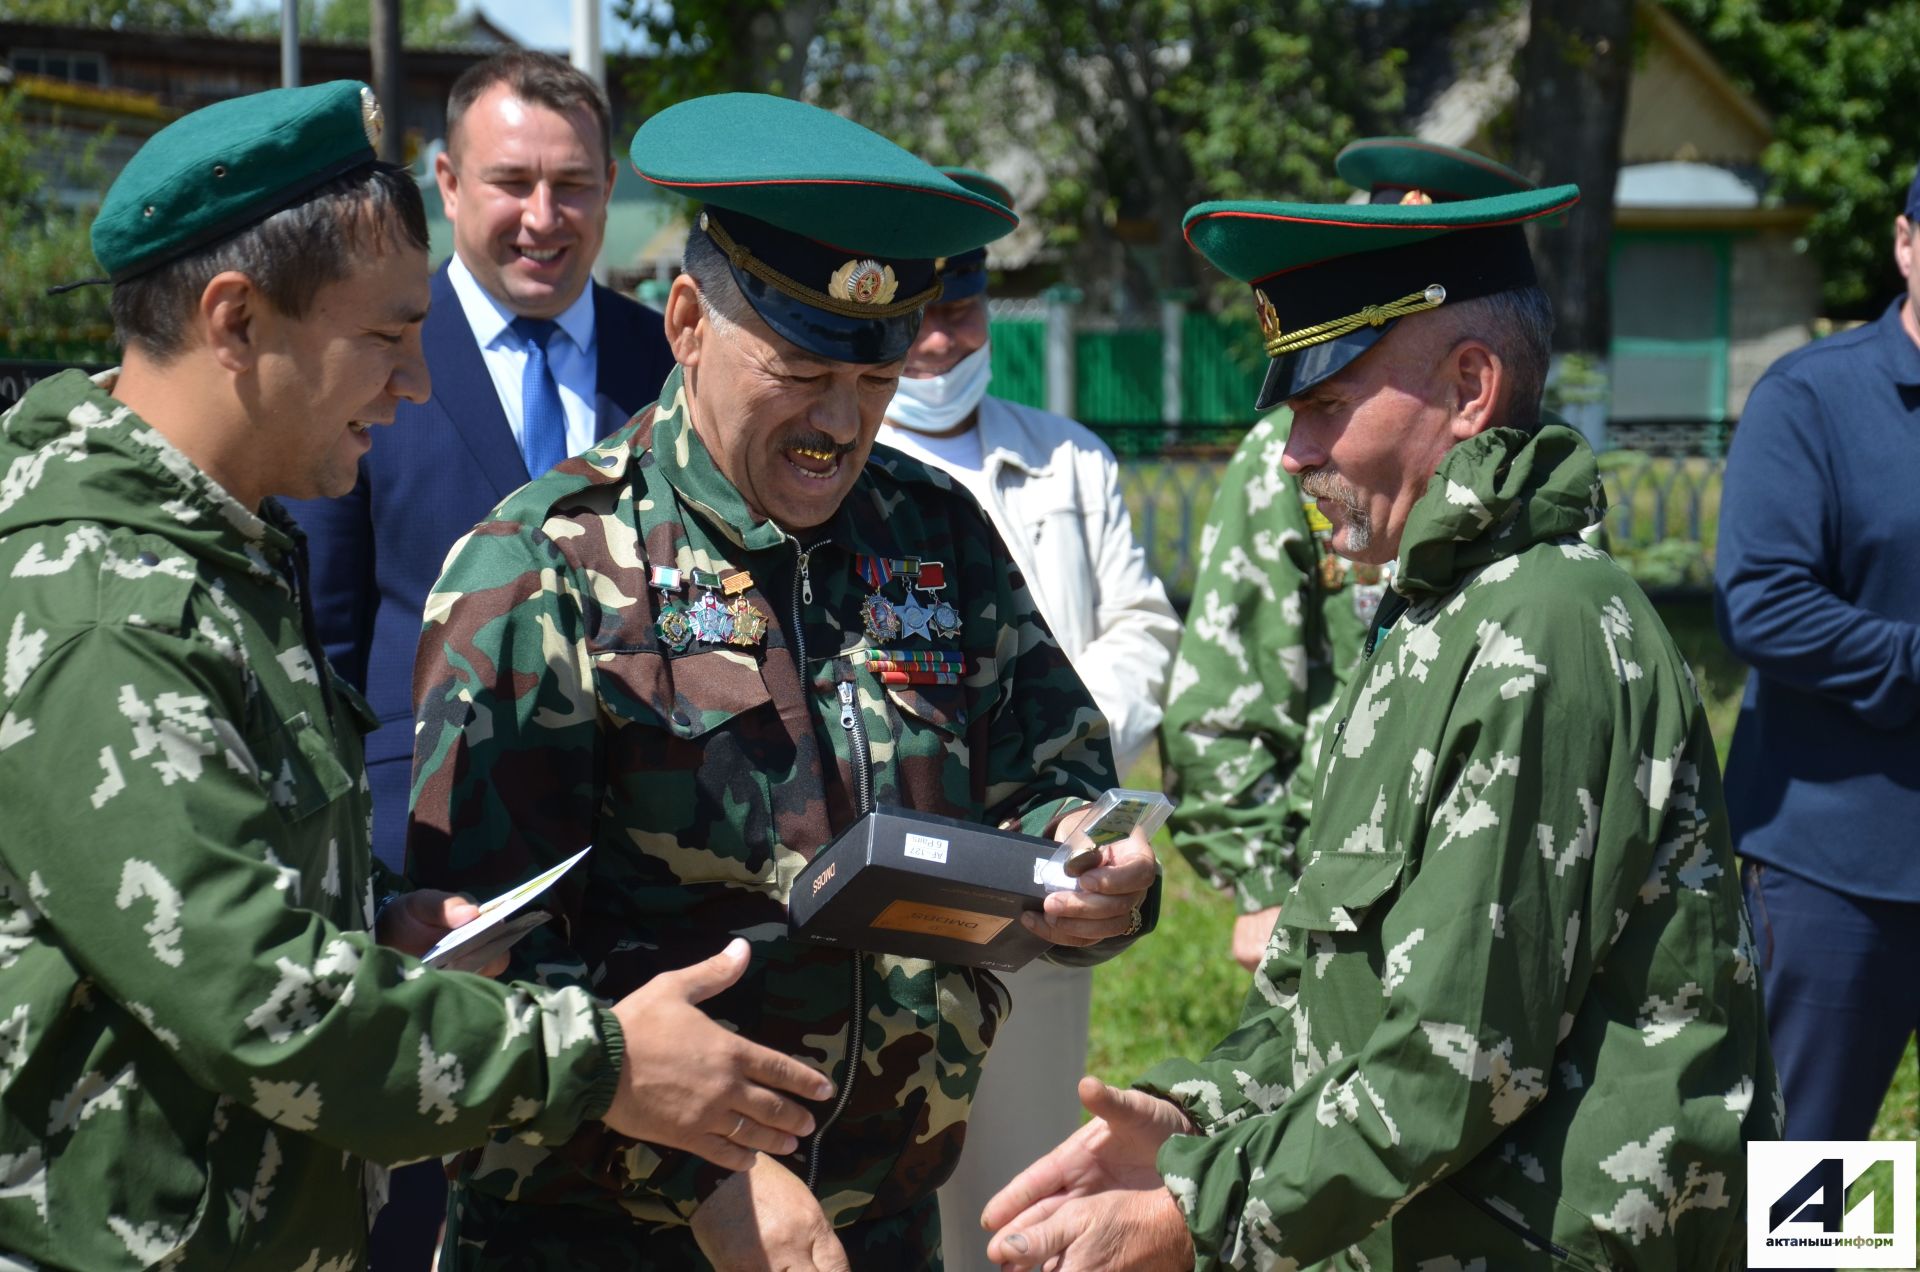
[{"x": 938, "y": 920}]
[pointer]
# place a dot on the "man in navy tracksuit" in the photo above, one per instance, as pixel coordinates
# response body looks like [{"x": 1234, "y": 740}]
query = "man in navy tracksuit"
[{"x": 1819, "y": 590}]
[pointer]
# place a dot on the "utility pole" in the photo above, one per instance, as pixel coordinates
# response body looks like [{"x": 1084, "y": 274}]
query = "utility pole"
[
  {"x": 386, "y": 77},
  {"x": 289, "y": 43},
  {"x": 589, "y": 50}
]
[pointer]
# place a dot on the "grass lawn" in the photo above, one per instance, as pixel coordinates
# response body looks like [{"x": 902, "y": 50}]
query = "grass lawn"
[{"x": 1179, "y": 991}]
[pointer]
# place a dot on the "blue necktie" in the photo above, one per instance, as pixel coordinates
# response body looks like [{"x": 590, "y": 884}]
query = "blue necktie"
[{"x": 543, "y": 421}]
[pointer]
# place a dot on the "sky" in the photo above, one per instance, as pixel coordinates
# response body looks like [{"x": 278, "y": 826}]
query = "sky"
[
  {"x": 548, "y": 24},
  {"x": 539, "y": 24}
]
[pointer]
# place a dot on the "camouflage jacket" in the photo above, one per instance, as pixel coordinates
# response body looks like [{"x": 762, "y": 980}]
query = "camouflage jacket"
[
  {"x": 553, "y": 715},
  {"x": 199, "y": 1041},
  {"x": 1273, "y": 634},
  {"x": 1510, "y": 1013}
]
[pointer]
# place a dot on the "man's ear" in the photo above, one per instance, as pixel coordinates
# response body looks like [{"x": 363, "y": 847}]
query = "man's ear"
[
  {"x": 686, "y": 323},
  {"x": 447, "y": 177},
  {"x": 228, "y": 317},
  {"x": 1479, "y": 377},
  {"x": 1903, "y": 253}
]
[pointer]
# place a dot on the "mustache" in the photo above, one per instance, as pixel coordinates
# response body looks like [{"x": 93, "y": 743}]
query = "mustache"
[
  {"x": 1321, "y": 484},
  {"x": 814, "y": 441}
]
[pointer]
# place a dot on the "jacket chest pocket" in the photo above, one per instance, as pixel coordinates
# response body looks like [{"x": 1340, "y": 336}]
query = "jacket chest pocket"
[
  {"x": 920, "y": 747},
  {"x": 1337, "y": 889},
  {"x": 302, "y": 770},
  {"x": 688, "y": 763}
]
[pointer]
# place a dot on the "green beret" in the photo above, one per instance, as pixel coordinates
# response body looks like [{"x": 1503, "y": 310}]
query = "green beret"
[
  {"x": 1329, "y": 280},
  {"x": 211, "y": 174},
  {"x": 1408, "y": 170},
  {"x": 831, "y": 230}
]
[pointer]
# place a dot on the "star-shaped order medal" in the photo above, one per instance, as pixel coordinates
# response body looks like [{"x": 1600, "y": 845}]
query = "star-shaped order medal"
[
  {"x": 945, "y": 623},
  {"x": 711, "y": 621},
  {"x": 915, "y": 616}
]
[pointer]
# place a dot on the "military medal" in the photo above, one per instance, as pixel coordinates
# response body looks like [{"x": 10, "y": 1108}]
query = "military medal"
[
  {"x": 673, "y": 625},
  {"x": 916, "y": 617},
  {"x": 945, "y": 622},
  {"x": 877, "y": 614},
  {"x": 711, "y": 621},
  {"x": 1333, "y": 572},
  {"x": 748, "y": 625}
]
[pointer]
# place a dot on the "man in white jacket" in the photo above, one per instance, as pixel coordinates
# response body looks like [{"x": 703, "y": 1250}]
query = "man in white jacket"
[{"x": 1052, "y": 489}]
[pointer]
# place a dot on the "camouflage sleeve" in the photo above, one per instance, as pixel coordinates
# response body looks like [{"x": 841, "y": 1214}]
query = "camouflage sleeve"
[
  {"x": 1489, "y": 943},
  {"x": 153, "y": 870},
  {"x": 506, "y": 737},
  {"x": 1237, "y": 710}
]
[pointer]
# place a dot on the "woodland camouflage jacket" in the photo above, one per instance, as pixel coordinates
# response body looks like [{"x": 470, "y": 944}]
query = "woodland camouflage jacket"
[
  {"x": 1510, "y": 1016},
  {"x": 199, "y": 1040},
  {"x": 552, "y": 715}
]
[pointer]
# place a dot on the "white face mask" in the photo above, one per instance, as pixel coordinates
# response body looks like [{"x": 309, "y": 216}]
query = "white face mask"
[{"x": 937, "y": 403}]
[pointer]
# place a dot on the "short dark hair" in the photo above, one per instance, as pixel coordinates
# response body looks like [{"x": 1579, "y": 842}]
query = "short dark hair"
[
  {"x": 289, "y": 256},
  {"x": 540, "y": 78}
]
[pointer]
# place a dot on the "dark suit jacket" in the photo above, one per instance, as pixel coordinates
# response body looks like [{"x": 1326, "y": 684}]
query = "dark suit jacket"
[{"x": 430, "y": 476}]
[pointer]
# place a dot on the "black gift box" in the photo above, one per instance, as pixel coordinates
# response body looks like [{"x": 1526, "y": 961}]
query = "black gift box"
[{"x": 924, "y": 886}]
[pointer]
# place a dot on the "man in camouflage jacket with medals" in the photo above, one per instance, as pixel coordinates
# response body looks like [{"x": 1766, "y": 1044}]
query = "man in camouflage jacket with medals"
[
  {"x": 1278, "y": 618},
  {"x": 210, "y": 1028},
  {"x": 1509, "y": 1017},
  {"x": 708, "y": 645}
]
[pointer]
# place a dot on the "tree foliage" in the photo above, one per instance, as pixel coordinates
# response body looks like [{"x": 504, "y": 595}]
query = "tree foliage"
[
  {"x": 1125, "y": 113},
  {"x": 1839, "y": 77},
  {"x": 721, "y": 46},
  {"x": 148, "y": 15},
  {"x": 47, "y": 243}
]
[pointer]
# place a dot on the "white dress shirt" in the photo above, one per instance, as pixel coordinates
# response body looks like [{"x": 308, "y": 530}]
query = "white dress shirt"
[
  {"x": 573, "y": 360},
  {"x": 1052, "y": 490}
]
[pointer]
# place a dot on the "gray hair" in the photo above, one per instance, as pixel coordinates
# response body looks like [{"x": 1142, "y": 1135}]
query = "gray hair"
[
  {"x": 720, "y": 297},
  {"x": 1516, "y": 324}
]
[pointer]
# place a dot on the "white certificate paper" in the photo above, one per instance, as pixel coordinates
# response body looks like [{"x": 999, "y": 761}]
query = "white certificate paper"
[{"x": 492, "y": 915}]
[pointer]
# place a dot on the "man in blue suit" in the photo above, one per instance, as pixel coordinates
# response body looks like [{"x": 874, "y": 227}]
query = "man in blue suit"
[
  {"x": 531, "y": 361},
  {"x": 525, "y": 179}
]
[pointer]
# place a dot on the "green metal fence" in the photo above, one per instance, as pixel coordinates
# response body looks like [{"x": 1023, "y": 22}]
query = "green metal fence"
[{"x": 1117, "y": 372}]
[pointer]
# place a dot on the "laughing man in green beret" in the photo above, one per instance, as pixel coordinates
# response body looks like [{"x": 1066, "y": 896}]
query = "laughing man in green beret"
[
  {"x": 707, "y": 646},
  {"x": 210, "y": 1020},
  {"x": 1509, "y": 1016}
]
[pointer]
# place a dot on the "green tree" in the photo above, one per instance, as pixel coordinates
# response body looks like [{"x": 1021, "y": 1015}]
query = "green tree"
[
  {"x": 46, "y": 244},
  {"x": 1839, "y": 77},
  {"x": 721, "y": 46},
  {"x": 1128, "y": 112},
  {"x": 151, "y": 15}
]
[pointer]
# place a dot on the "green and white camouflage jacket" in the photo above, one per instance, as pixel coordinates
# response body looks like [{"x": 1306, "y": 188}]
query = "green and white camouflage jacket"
[
  {"x": 199, "y": 1041},
  {"x": 1510, "y": 1015},
  {"x": 1273, "y": 634},
  {"x": 553, "y": 715}
]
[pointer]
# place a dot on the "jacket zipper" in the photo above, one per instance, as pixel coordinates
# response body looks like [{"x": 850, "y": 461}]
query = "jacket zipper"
[
  {"x": 855, "y": 1033},
  {"x": 859, "y": 760}
]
